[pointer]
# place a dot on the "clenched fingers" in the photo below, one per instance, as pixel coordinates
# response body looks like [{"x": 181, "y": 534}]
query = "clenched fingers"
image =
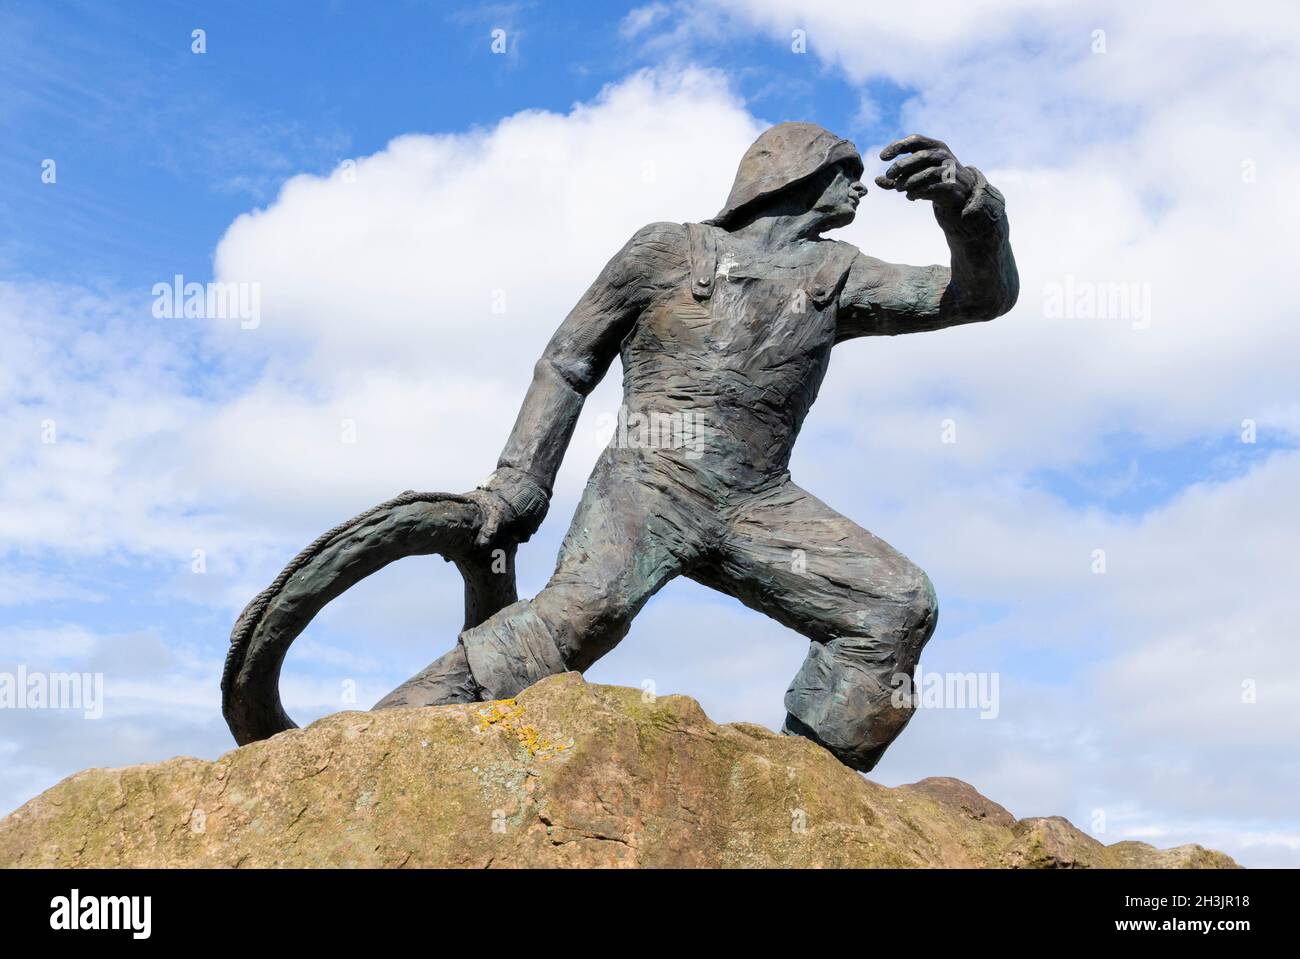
[
  {"x": 492, "y": 519},
  {"x": 910, "y": 144},
  {"x": 914, "y": 164}
]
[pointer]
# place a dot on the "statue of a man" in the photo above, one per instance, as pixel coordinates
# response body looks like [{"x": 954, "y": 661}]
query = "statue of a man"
[{"x": 729, "y": 325}]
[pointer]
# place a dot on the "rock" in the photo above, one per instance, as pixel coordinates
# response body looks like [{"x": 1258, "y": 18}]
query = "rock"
[
  {"x": 962, "y": 796},
  {"x": 569, "y": 774}
]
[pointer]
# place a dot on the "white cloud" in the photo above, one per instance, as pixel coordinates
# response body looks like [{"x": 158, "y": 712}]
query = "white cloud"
[
  {"x": 640, "y": 19},
  {"x": 402, "y": 265},
  {"x": 421, "y": 291}
]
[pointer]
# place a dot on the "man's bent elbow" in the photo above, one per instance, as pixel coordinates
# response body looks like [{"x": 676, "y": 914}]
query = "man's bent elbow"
[
  {"x": 1010, "y": 291},
  {"x": 996, "y": 302},
  {"x": 1004, "y": 303},
  {"x": 576, "y": 372}
]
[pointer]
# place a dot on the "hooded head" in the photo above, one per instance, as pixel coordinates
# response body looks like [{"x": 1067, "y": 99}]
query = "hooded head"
[{"x": 781, "y": 157}]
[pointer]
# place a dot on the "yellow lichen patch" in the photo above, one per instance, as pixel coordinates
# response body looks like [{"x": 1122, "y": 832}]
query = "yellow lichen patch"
[{"x": 508, "y": 714}]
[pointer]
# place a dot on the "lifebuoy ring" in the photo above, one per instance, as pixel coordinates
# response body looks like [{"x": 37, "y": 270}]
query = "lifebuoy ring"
[{"x": 412, "y": 524}]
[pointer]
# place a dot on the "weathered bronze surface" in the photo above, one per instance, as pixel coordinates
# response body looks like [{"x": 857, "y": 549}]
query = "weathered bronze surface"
[{"x": 725, "y": 330}]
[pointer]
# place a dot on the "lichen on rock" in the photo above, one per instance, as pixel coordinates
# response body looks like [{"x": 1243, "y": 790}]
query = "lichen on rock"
[{"x": 566, "y": 774}]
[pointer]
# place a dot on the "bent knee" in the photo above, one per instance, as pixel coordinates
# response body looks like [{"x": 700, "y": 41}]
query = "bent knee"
[
  {"x": 904, "y": 604},
  {"x": 922, "y": 602}
]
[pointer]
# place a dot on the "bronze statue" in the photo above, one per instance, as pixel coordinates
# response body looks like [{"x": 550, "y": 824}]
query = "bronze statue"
[{"x": 725, "y": 327}]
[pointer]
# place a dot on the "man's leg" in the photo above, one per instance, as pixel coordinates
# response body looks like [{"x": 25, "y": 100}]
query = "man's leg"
[
  {"x": 627, "y": 539},
  {"x": 866, "y": 607}
]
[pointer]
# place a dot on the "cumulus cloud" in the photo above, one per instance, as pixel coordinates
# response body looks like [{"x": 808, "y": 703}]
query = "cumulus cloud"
[
  {"x": 420, "y": 286},
  {"x": 469, "y": 248}
]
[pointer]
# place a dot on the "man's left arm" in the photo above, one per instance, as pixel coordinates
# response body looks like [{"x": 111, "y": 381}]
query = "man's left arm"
[{"x": 885, "y": 299}]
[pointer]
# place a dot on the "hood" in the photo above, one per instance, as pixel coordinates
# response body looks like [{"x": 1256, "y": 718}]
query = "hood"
[{"x": 782, "y": 156}]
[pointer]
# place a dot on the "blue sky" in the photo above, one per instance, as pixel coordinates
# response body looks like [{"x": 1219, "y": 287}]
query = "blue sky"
[
  {"x": 521, "y": 172},
  {"x": 159, "y": 149}
]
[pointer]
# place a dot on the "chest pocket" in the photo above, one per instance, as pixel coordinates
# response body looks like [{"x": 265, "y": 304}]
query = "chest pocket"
[{"x": 826, "y": 282}]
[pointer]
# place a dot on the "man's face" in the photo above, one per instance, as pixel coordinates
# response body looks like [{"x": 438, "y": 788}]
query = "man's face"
[{"x": 840, "y": 193}]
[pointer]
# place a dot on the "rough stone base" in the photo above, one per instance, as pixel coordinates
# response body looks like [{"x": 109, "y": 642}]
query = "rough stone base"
[{"x": 570, "y": 774}]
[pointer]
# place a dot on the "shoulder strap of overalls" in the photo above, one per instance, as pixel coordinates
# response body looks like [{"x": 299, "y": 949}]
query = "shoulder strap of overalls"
[{"x": 703, "y": 259}]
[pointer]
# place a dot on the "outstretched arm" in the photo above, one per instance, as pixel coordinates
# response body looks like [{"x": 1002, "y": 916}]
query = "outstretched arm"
[
  {"x": 885, "y": 299},
  {"x": 517, "y": 494}
]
